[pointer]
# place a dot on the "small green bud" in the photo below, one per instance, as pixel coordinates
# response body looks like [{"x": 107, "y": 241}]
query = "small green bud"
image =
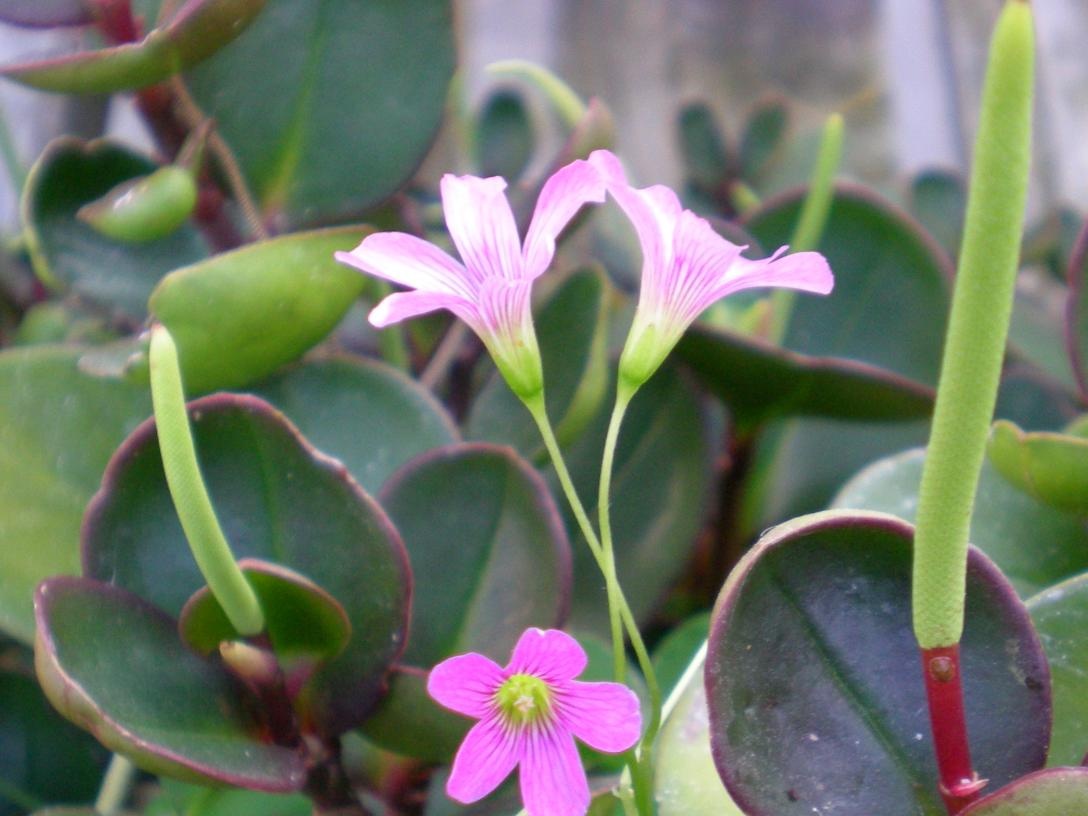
[
  {"x": 144, "y": 208},
  {"x": 524, "y": 699}
]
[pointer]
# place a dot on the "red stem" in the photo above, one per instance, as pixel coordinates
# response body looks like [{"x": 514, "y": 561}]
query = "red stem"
[
  {"x": 959, "y": 784},
  {"x": 115, "y": 20}
]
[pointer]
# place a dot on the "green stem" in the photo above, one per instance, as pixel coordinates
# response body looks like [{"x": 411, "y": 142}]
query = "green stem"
[
  {"x": 115, "y": 786},
  {"x": 604, "y": 493},
  {"x": 813, "y": 218},
  {"x": 194, "y": 507},
  {"x": 977, "y": 330},
  {"x": 641, "y": 763}
]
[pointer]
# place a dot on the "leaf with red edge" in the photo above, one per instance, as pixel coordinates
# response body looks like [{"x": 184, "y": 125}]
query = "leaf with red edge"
[
  {"x": 198, "y": 30},
  {"x": 1054, "y": 792}
]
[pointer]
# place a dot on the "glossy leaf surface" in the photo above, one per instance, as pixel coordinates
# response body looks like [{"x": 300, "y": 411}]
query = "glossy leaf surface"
[
  {"x": 365, "y": 414},
  {"x": 68, "y": 254},
  {"x": 489, "y": 557},
  {"x": 312, "y": 101},
  {"x": 58, "y": 429},
  {"x": 240, "y": 315},
  {"x": 193, "y": 35},
  {"x": 1060, "y": 614},
  {"x": 279, "y": 500},
  {"x": 829, "y": 712},
  {"x": 1034, "y": 545},
  {"x": 1050, "y": 467},
  {"x": 114, "y": 664}
]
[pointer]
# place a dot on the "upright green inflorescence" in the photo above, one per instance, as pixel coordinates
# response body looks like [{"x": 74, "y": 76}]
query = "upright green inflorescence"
[{"x": 977, "y": 330}]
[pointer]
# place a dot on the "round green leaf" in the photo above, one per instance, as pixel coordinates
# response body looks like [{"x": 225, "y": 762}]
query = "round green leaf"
[
  {"x": 1050, "y": 467},
  {"x": 938, "y": 199},
  {"x": 759, "y": 380},
  {"x": 179, "y": 799},
  {"x": 504, "y": 136},
  {"x": 199, "y": 30},
  {"x": 70, "y": 255},
  {"x": 113, "y": 664},
  {"x": 572, "y": 331},
  {"x": 1055, "y": 792},
  {"x": 279, "y": 500},
  {"x": 313, "y": 100},
  {"x": 366, "y": 414},
  {"x": 706, "y": 157},
  {"x": 1034, "y": 545},
  {"x": 1060, "y": 614},
  {"x": 58, "y": 429},
  {"x": 814, "y": 683},
  {"x": 42, "y": 757},
  {"x": 240, "y": 315},
  {"x": 489, "y": 557},
  {"x": 764, "y": 134},
  {"x": 305, "y": 624},
  {"x": 145, "y": 208}
]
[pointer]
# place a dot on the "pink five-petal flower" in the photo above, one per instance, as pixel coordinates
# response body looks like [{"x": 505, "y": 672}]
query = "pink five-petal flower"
[
  {"x": 686, "y": 267},
  {"x": 529, "y": 713},
  {"x": 490, "y": 287}
]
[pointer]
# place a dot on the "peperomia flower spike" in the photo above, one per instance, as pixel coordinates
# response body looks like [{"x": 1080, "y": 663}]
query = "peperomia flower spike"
[
  {"x": 529, "y": 714},
  {"x": 687, "y": 266},
  {"x": 490, "y": 288}
]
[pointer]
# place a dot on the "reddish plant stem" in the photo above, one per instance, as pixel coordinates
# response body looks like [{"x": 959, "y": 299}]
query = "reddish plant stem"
[
  {"x": 959, "y": 784},
  {"x": 115, "y": 20}
]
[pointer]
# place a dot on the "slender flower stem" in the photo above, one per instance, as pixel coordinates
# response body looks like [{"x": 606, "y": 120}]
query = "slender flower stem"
[
  {"x": 604, "y": 494},
  {"x": 115, "y": 786},
  {"x": 967, "y": 391},
  {"x": 641, "y": 764},
  {"x": 194, "y": 507},
  {"x": 813, "y": 218}
]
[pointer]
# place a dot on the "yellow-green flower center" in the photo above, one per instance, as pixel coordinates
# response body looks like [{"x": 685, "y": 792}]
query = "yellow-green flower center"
[{"x": 524, "y": 699}]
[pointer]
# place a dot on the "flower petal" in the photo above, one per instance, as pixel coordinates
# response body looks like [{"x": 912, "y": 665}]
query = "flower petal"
[
  {"x": 486, "y": 757},
  {"x": 482, "y": 226},
  {"x": 409, "y": 261},
  {"x": 401, "y": 305},
  {"x": 466, "y": 684},
  {"x": 605, "y": 716},
  {"x": 551, "y": 655},
  {"x": 553, "y": 781},
  {"x": 807, "y": 271},
  {"x": 561, "y": 197}
]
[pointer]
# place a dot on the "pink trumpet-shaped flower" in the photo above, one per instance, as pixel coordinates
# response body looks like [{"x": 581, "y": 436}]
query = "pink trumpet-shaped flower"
[
  {"x": 687, "y": 266},
  {"x": 490, "y": 287},
  {"x": 529, "y": 714}
]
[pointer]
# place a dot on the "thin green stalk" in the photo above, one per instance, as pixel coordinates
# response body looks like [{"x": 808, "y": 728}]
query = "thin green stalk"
[
  {"x": 115, "y": 786},
  {"x": 194, "y": 507},
  {"x": 604, "y": 494},
  {"x": 813, "y": 218},
  {"x": 641, "y": 764},
  {"x": 977, "y": 330}
]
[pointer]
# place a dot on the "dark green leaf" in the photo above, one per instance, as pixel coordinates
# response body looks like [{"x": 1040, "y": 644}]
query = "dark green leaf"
[
  {"x": 764, "y": 134},
  {"x": 1056, "y": 792},
  {"x": 1060, "y": 614},
  {"x": 330, "y": 105},
  {"x": 813, "y": 680},
  {"x": 42, "y": 757},
  {"x": 279, "y": 500},
  {"x": 758, "y": 381},
  {"x": 1035, "y": 546},
  {"x": 179, "y": 799},
  {"x": 240, "y": 315},
  {"x": 58, "y": 428},
  {"x": 504, "y": 136},
  {"x": 68, "y": 254},
  {"x": 706, "y": 157},
  {"x": 369, "y": 416},
  {"x": 938, "y": 199},
  {"x": 490, "y": 558},
  {"x": 197, "y": 32},
  {"x": 114, "y": 664}
]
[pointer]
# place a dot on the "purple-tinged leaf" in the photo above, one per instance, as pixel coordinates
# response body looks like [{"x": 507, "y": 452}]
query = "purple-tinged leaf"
[
  {"x": 198, "y": 30},
  {"x": 1054, "y": 792},
  {"x": 814, "y": 680},
  {"x": 114, "y": 665}
]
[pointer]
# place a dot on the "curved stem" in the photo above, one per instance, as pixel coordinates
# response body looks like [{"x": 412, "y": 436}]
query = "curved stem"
[
  {"x": 194, "y": 507},
  {"x": 115, "y": 786}
]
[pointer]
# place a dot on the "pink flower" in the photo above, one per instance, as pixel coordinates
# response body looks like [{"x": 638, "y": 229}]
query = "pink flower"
[
  {"x": 529, "y": 714},
  {"x": 686, "y": 267},
  {"x": 490, "y": 288}
]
